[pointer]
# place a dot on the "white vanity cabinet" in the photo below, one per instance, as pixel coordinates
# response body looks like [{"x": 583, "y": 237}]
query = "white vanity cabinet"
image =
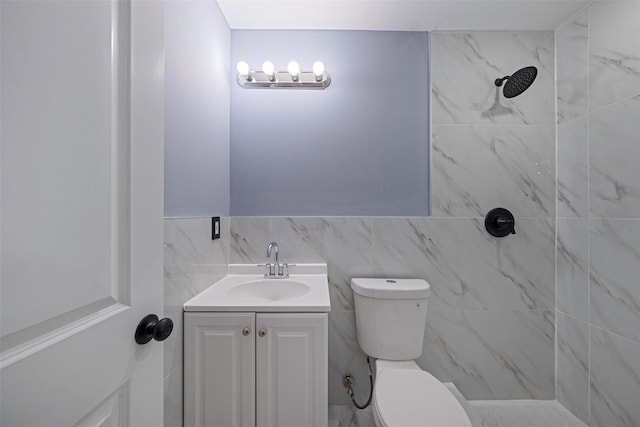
[{"x": 255, "y": 369}]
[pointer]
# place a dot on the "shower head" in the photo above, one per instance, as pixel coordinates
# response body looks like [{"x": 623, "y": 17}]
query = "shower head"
[{"x": 518, "y": 82}]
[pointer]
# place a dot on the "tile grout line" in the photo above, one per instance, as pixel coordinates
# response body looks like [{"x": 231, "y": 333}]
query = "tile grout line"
[
  {"x": 555, "y": 279},
  {"x": 615, "y": 335},
  {"x": 588, "y": 219}
]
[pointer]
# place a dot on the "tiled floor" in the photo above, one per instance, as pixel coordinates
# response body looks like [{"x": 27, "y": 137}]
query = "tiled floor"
[
  {"x": 482, "y": 413},
  {"x": 521, "y": 413}
]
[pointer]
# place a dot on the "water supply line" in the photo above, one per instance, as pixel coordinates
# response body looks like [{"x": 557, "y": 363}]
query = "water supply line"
[{"x": 348, "y": 383}]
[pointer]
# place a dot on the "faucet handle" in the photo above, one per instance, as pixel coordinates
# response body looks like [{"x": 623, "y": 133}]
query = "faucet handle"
[
  {"x": 284, "y": 270},
  {"x": 268, "y": 268}
]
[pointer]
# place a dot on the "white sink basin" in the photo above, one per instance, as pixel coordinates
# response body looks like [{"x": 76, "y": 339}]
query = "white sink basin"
[
  {"x": 245, "y": 289},
  {"x": 269, "y": 290}
]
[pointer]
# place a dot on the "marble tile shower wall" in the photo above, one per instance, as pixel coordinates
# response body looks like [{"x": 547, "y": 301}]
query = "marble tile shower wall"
[
  {"x": 491, "y": 314},
  {"x": 598, "y": 202}
]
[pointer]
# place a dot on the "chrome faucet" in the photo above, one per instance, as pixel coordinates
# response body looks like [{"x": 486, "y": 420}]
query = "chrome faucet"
[
  {"x": 271, "y": 247},
  {"x": 276, "y": 269}
]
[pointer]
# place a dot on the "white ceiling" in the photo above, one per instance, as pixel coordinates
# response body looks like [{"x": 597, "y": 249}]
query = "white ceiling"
[{"x": 400, "y": 15}]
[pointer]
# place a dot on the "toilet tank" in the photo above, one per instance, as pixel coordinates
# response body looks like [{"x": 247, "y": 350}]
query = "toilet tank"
[{"x": 390, "y": 316}]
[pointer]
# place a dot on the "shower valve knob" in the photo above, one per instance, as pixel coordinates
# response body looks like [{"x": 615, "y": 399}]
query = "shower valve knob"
[
  {"x": 499, "y": 222},
  {"x": 150, "y": 327}
]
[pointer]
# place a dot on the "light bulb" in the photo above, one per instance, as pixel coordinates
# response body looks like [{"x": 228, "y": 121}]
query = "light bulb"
[
  {"x": 318, "y": 70},
  {"x": 243, "y": 68},
  {"x": 269, "y": 70},
  {"x": 294, "y": 70}
]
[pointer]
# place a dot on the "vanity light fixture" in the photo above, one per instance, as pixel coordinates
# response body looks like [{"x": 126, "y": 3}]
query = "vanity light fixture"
[{"x": 293, "y": 78}]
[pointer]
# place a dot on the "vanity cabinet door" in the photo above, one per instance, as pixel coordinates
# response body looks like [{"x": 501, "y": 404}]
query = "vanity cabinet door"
[
  {"x": 219, "y": 370},
  {"x": 292, "y": 370}
]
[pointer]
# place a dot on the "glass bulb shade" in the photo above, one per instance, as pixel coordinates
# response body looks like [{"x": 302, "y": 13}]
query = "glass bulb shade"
[
  {"x": 243, "y": 68},
  {"x": 268, "y": 68},
  {"x": 318, "y": 68},
  {"x": 293, "y": 68}
]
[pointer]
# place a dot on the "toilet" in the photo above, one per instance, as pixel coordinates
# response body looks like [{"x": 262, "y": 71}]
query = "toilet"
[{"x": 391, "y": 316}]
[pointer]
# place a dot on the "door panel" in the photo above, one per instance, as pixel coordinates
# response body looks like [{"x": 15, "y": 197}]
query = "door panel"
[
  {"x": 59, "y": 215},
  {"x": 81, "y": 211},
  {"x": 112, "y": 412}
]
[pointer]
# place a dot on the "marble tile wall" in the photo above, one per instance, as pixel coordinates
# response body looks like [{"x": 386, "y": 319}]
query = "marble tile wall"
[
  {"x": 489, "y": 151},
  {"x": 192, "y": 262},
  {"x": 480, "y": 285},
  {"x": 598, "y": 213}
]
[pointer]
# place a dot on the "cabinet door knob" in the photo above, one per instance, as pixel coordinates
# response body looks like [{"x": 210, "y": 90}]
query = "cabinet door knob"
[
  {"x": 246, "y": 331},
  {"x": 262, "y": 332}
]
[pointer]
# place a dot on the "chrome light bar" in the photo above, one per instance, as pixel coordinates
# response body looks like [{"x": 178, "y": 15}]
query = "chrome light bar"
[{"x": 269, "y": 78}]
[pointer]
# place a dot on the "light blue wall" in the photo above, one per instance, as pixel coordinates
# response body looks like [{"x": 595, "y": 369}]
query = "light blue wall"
[
  {"x": 360, "y": 147},
  {"x": 196, "y": 109}
]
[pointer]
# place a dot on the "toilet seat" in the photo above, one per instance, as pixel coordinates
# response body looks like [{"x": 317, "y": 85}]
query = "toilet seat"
[{"x": 415, "y": 398}]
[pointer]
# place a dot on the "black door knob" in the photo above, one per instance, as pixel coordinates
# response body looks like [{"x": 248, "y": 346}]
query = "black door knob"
[{"x": 150, "y": 327}]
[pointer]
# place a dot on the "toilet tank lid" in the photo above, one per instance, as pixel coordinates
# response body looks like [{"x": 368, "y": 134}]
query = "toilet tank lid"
[{"x": 388, "y": 288}]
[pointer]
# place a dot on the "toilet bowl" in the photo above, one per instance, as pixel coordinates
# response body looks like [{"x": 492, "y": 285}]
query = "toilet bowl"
[
  {"x": 390, "y": 322},
  {"x": 406, "y": 396}
]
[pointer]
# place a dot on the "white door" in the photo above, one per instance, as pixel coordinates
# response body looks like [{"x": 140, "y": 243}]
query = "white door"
[{"x": 81, "y": 212}]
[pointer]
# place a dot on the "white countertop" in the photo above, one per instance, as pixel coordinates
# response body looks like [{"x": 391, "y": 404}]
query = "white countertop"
[{"x": 218, "y": 298}]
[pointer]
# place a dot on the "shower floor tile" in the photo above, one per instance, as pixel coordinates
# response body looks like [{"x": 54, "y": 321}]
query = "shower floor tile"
[
  {"x": 521, "y": 413},
  {"x": 482, "y": 413}
]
